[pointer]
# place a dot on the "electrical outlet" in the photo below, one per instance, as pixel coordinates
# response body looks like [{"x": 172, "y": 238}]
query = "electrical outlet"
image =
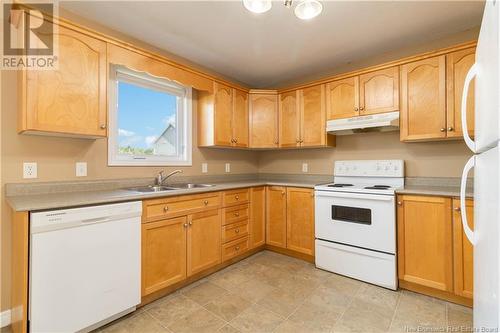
[
  {"x": 204, "y": 167},
  {"x": 305, "y": 167},
  {"x": 81, "y": 169},
  {"x": 30, "y": 170},
  {"x": 228, "y": 167}
]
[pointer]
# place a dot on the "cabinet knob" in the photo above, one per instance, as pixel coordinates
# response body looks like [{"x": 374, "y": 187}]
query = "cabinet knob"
[
  {"x": 297, "y": 140},
  {"x": 399, "y": 203},
  {"x": 236, "y": 214},
  {"x": 276, "y": 142},
  {"x": 235, "y": 140},
  {"x": 237, "y": 197},
  {"x": 450, "y": 129},
  {"x": 185, "y": 225},
  {"x": 456, "y": 209},
  {"x": 282, "y": 192},
  {"x": 205, "y": 202},
  {"x": 361, "y": 108},
  {"x": 443, "y": 129},
  {"x": 190, "y": 223},
  {"x": 237, "y": 248},
  {"x": 237, "y": 231},
  {"x": 356, "y": 109},
  {"x": 103, "y": 126},
  {"x": 165, "y": 209}
]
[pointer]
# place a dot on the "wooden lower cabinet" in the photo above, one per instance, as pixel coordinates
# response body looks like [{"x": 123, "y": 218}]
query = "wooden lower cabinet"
[
  {"x": 203, "y": 241},
  {"x": 276, "y": 216},
  {"x": 434, "y": 256},
  {"x": 300, "y": 220},
  {"x": 257, "y": 216},
  {"x": 163, "y": 253}
]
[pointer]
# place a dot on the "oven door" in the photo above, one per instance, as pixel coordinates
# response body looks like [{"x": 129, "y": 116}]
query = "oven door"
[{"x": 364, "y": 220}]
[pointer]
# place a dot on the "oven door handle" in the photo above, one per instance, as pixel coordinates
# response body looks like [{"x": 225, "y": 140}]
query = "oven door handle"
[{"x": 347, "y": 195}]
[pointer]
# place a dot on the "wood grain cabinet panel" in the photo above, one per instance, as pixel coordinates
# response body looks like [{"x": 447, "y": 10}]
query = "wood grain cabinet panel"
[
  {"x": 342, "y": 98},
  {"x": 263, "y": 120},
  {"x": 257, "y": 216},
  {"x": 423, "y": 100},
  {"x": 276, "y": 216},
  {"x": 240, "y": 118},
  {"x": 313, "y": 117},
  {"x": 457, "y": 65},
  {"x": 163, "y": 254},
  {"x": 71, "y": 99},
  {"x": 379, "y": 91},
  {"x": 289, "y": 119},
  {"x": 463, "y": 263},
  {"x": 425, "y": 241},
  {"x": 223, "y": 108},
  {"x": 300, "y": 220},
  {"x": 203, "y": 241}
]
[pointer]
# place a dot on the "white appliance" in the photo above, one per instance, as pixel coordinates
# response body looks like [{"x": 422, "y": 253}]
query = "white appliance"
[
  {"x": 85, "y": 267},
  {"x": 381, "y": 122},
  {"x": 355, "y": 221},
  {"x": 485, "y": 145}
]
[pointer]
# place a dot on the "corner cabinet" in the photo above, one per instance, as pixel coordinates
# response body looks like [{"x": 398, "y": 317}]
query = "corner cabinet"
[
  {"x": 70, "y": 100},
  {"x": 263, "y": 119},
  {"x": 223, "y": 117},
  {"x": 276, "y": 216}
]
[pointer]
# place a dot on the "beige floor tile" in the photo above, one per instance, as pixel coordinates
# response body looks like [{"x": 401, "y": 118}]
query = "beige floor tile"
[
  {"x": 171, "y": 311},
  {"x": 200, "y": 321},
  {"x": 137, "y": 323},
  {"x": 281, "y": 302},
  {"x": 459, "y": 317},
  {"x": 256, "y": 319},
  {"x": 365, "y": 316},
  {"x": 228, "y": 306},
  {"x": 335, "y": 293},
  {"x": 166, "y": 298},
  {"x": 313, "y": 317},
  {"x": 291, "y": 327},
  {"x": 380, "y": 297},
  {"x": 252, "y": 290},
  {"x": 204, "y": 292},
  {"x": 228, "y": 329}
]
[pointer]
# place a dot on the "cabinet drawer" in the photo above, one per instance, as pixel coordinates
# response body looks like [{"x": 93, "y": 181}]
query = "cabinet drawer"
[
  {"x": 177, "y": 206},
  {"x": 235, "y": 214},
  {"x": 236, "y": 197},
  {"x": 234, "y": 231},
  {"x": 234, "y": 248}
]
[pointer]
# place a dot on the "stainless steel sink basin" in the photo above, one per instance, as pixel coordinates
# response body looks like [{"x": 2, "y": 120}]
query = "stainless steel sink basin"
[
  {"x": 190, "y": 185},
  {"x": 151, "y": 189}
]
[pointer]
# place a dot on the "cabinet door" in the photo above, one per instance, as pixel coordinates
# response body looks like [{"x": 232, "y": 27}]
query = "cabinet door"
[
  {"x": 313, "y": 116},
  {"x": 240, "y": 118},
  {"x": 457, "y": 65},
  {"x": 163, "y": 254},
  {"x": 72, "y": 98},
  {"x": 342, "y": 98},
  {"x": 203, "y": 241},
  {"x": 423, "y": 100},
  {"x": 276, "y": 216},
  {"x": 300, "y": 220},
  {"x": 379, "y": 91},
  {"x": 257, "y": 216},
  {"x": 263, "y": 121},
  {"x": 425, "y": 241},
  {"x": 462, "y": 251},
  {"x": 223, "y": 106},
  {"x": 289, "y": 119}
]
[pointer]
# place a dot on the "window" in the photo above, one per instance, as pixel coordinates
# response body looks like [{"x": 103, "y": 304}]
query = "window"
[{"x": 149, "y": 120}]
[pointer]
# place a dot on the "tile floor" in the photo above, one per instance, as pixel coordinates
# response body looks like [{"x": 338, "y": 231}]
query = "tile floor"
[{"x": 269, "y": 292}]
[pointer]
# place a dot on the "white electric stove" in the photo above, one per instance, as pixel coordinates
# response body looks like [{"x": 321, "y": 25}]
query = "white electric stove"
[{"x": 355, "y": 221}]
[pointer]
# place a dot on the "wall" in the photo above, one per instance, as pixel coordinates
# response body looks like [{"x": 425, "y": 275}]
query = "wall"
[{"x": 429, "y": 159}]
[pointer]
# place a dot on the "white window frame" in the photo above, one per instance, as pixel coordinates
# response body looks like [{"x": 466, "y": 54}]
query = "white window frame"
[{"x": 184, "y": 119}]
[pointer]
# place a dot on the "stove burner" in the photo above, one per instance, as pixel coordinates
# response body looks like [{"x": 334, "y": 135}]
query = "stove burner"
[
  {"x": 378, "y": 187},
  {"x": 340, "y": 185}
]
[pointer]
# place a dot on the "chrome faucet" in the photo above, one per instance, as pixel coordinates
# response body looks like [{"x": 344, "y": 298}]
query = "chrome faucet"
[{"x": 160, "y": 179}]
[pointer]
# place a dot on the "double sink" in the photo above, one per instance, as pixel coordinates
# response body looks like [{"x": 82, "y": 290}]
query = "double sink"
[{"x": 164, "y": 188}]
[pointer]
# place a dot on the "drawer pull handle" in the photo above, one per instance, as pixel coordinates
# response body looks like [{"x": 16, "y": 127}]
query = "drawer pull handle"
[
  {"x": 165, "y": 209},
  {"x": 457, "y": 209},
  {"x": 236, "y": 214},
  {"x": 237, "y": 197},
  {"x": 205, "y": 202},
  {"x": 185, "y": 225},
  {"x": 190, "y": 223},
  {"x": 237, "y": 248},
  {"x": 237, "y": 231}
]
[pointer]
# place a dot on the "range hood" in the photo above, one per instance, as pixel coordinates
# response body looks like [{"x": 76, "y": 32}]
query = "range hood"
[{"x": 382, "y": 122}]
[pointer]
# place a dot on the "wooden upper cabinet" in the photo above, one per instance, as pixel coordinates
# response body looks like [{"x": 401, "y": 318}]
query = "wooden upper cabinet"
[
  {"x": 313, "y": 118},
  {"x": 423, "y": 100},
  {"x": 240, "y": 118},
  {"x": 289, "y": 119},
  {"x": 300, "y": 220},
  {"x": 463, "y": 263},
  {"x": 379, "y": 91},
  {"x": 223, "y": 113},
  {"x": 263, "y": 120},
  {"x": 342, "y": 98},
  {"x": 203, "y": 241},
  {"x": 425, "y": 254},
  {"x": 163, "y": 254},
  {"x": 457, "y": 65},
  {"x": 276, "y": 216},
  {"x": 71, "y": 99},
  {"x": 257, "y": 216}
]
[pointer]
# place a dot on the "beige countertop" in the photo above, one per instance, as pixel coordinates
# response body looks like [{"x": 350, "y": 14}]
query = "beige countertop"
[{"x": 444, "y": 191}]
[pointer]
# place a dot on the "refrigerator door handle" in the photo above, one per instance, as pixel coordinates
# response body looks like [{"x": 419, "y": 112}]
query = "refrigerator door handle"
[
  {"x": 468, "y": 166},
  {"x": 470, "y": 75}
]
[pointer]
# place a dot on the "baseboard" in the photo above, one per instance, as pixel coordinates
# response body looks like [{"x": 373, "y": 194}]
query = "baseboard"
[{"x": 5, "y": 318}]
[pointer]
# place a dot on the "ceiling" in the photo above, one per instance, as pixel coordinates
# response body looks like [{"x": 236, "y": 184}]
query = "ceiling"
[{"x": 270, "y": 49}]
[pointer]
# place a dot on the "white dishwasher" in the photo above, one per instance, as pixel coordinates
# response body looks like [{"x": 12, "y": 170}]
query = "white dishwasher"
[{"x": 85, "y": 266}]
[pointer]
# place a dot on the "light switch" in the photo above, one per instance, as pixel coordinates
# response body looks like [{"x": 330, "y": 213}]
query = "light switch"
[
  {"x": 204, "y": 167},
  {"x": 30, "y": 170},
  {"x": 81, "y": 169},
  {"x": 305, "y": 167},
  {"x": 228, "y": 167}
]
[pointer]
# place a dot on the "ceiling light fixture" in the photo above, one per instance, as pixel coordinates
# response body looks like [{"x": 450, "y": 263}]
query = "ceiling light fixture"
[
  {"x": 257, "y": 6},
  {"x": 308, "y": 9}
]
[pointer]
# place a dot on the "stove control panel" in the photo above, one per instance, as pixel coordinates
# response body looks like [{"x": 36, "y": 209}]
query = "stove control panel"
[{"x": 370, "y": 168}]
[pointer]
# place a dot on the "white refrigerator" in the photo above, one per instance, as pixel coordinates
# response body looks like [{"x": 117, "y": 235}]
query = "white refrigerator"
[{"x": 485, "y": 162}]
